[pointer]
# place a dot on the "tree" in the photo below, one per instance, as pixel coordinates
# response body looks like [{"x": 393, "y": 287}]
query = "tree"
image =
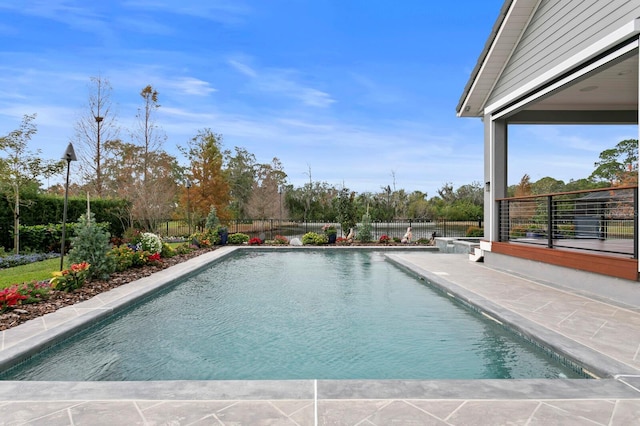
[
  {"x": 150, "y": 202},
  {"x": 524, "y": 187},
  {"x": 240, "y": 172},
  {"x": 93, "y": 131},
  {"x": 346, "y": 209},
  {"x": 209, "y": 183},
  {"x": 21, "y": 168},
  {"x": 418, "y": 205},
  {"x": 265, "y": 197},
  {"x": 619, "y": 165},
  {"x": 547, "y": 185},
  {"x": 147, "y": 134}
]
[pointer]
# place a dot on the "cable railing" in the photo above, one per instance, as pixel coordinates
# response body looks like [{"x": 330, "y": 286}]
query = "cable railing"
[{"x": 601, "y": 220}]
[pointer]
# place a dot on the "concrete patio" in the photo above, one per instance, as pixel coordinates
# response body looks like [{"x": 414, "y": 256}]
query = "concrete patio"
[{"x": 598, "y": 330}]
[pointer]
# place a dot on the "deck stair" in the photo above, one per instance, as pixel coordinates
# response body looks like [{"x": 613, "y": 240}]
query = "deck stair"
[{"x": 476, "y": 255}]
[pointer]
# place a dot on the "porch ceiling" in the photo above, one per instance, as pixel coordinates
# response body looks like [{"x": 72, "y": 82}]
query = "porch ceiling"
[{"x": 608, "y": 88}]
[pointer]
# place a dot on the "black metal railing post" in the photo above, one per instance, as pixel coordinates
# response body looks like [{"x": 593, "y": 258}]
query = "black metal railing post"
[
  {"x": 635, "y": 222},
  {"x": 550, "y": 221}
]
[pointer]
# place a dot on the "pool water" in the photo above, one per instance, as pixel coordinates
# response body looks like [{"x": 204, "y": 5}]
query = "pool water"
[{"x": 295, "y": 315}]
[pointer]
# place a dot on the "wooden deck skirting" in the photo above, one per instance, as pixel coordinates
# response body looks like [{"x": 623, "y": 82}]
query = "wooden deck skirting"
[{"x": 619, "y": 267}]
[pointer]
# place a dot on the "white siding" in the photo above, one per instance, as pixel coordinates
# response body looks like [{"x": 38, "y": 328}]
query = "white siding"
[{"x": 559, "y": 29}]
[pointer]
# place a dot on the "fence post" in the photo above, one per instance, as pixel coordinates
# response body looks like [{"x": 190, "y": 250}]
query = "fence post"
[
  {"x": 635, "y": 222},
  {"x": 549, "y": 221}
]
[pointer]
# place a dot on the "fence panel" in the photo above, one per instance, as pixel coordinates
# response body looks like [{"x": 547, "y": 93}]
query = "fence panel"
[{"x": 267, "y": 229}]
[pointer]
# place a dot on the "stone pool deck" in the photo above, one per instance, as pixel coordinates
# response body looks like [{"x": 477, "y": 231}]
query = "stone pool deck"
[{"x": 599, "y": 330}]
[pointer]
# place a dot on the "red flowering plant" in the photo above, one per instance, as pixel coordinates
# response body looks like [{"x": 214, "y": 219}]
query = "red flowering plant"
[
  {"x": 72, "y": 278},
  {"x": 20, "y": 294},
  {"x": 280, "y": 239},
  {"x": 10, "y": 297},
  {"x": 384, "y": 239},
  {"x": 154, "y": 258},
  {"x": 255, "y": 241}
]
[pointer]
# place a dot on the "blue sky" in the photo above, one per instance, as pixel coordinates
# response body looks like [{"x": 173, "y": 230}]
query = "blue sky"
[{"x": 357, "y": 91}]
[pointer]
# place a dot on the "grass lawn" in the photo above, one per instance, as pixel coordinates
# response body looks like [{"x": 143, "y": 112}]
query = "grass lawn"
[
  {"x": 38, "y": 271},
  {"x": 26, "y": 273}
]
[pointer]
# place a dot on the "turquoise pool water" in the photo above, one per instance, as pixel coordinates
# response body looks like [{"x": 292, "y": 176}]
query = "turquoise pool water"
[{"x": 295, "y": 315}]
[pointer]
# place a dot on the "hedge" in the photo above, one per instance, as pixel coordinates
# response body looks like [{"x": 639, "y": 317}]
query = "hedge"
[{"x": 48, "y": 209}]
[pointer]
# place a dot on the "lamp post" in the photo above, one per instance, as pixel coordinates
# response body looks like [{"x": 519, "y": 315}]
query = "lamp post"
[
  {"x": 188, "y": 185},
  {"x": 280, "y": 190},
  {"x": 98, "y": 150},
  {"x": 69, "y": 155}
]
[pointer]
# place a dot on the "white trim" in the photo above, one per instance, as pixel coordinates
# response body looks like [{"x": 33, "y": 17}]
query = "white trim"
[
  {"x": 484, "y": 63},
  {"x": 495, "y": 80},
  {"x": 581, "y": 72},
  {"x": 616, "y": 37}
]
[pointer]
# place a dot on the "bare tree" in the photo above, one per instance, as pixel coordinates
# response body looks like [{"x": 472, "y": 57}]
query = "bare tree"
[
  {"x": 93, "y": 130},
  {"x": 148, "y": 135}
]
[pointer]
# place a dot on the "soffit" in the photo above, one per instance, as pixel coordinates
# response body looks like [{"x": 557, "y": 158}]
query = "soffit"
[{"x": 512, "y": 21}]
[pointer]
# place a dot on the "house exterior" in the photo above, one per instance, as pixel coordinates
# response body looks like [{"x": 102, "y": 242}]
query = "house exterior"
[{"x": 556, "y": 62}]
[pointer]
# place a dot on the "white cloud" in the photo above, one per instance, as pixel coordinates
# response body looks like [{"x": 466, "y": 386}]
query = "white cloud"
[
  {"x": 282, "y": 82},
  {"x": 192, "y": 86},
  {"x": 243, "y": 68},
  {"x": 223, "y": 11}
]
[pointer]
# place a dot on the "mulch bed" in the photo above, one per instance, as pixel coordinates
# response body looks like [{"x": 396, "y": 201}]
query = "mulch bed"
[{"x": 60, "y": 299}]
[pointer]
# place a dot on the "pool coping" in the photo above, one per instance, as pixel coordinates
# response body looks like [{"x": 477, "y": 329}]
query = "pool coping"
[
  {"x": 594, "y": 364},
  {"x": 620, "y": 384}
]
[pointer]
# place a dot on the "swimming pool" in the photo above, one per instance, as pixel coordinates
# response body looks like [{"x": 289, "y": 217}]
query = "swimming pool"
[{"x": 297, "y": 314}]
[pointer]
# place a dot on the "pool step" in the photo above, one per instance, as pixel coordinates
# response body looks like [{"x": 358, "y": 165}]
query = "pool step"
[{"x": 477, "y": 255}]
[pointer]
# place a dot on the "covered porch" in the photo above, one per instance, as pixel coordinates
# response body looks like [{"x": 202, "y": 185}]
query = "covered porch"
[{"x": 551, "y": 63}]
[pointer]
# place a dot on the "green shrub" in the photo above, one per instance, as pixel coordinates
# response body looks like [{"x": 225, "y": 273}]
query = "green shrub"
[
  {"x": 44, "y": 238},
  {"x": 48, "y": 209},
  {"x": 313, "y": 238},
  {"x": 567, "y": 231},
  {"x": 201, "y": 239},
  {"x": 518, "y": 231},
  {"x": 281, "y": 240},
  {"x": 132, "y": 236},
  {"x": 238, "y": 238},
  {"x": 364, "y": 233},
  {"x": 474, "y": 231},
  {"x": 122, "y": 257},
  {"x": 183, "y": 248},
  {"x": 212, "y": 219},
  {"x": 91, "y": 245},
  {"x": 167, "y": 251}
]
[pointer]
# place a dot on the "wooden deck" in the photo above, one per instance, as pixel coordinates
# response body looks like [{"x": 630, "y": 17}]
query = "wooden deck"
[{"x": 585, "y": 255}]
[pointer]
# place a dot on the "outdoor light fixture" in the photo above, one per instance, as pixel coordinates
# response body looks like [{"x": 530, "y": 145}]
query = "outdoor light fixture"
[
  {"x": 487, "y": 187},
  {"x": 69, "y": 155}
]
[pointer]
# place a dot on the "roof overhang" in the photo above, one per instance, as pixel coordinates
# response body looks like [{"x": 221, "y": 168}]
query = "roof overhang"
[
  {"x": 505, "y": 34},
  {"x": 601, "y": 78}
]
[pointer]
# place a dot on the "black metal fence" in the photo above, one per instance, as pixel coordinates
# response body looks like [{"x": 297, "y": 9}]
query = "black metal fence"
[
  {"x": 602, "y": 220},
  {"x": 267, "y": 229}
]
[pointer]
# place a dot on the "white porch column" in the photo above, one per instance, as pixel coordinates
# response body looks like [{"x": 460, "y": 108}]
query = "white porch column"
[{"x": 495, "y": 173}]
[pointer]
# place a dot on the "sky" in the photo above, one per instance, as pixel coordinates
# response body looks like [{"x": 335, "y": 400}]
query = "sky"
[{"x": 355, "y": 93}]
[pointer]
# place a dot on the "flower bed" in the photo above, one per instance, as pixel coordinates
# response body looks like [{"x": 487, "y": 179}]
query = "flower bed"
[{"x": 24, "y": 259}]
